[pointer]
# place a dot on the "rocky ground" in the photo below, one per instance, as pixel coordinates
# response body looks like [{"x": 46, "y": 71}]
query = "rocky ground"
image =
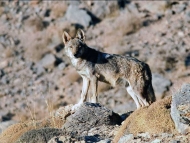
[{"x": 36, "y": 77}]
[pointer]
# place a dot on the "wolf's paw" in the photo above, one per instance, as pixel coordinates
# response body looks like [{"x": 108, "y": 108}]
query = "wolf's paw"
[{"x": 76, "y": 106}]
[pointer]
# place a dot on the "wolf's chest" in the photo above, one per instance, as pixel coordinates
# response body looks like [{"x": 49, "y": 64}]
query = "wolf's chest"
[{"x": 75, "y": 62}]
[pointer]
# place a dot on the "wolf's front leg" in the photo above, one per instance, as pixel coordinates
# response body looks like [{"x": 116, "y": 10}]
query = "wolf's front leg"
[
  {"x": 83, "y": 97},
  {"x": 94, "y": 86}
]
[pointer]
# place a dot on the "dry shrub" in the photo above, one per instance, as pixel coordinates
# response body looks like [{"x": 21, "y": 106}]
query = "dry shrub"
[
  {"x": 153, "y": 119},
  {"x": 12, "y": 133}
]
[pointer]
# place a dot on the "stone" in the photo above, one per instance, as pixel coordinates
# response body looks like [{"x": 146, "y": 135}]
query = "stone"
[
  {"x": 156, "y": 7},
  {"x": 187, "y": 16},
  {"x": 40, "y": 135},
  {"x": 160, "y": 85},
  {"x": 179, "y": 8},
  {"x": 4, "y": 64},
  {"x": 39, "y": 69},
  {"x": 126, "y": 138},
  {"x": 48, "y": 61},
  {"x": 78, "y": 16},
  {"x": 61, "y": 66},
  {"x": 88, "y": 116},
  {"x": 156, "y": 141},
  {"x": 144, "y": 135},
  {"x": 180, "y": 109},
  {"x": 103, "y": 8}
]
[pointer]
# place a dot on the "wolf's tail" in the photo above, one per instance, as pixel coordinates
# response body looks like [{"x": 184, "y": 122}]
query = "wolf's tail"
[{"x": 149, "y": 88}]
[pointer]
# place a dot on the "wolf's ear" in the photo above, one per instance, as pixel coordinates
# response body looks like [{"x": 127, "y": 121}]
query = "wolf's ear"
[
  {"x": 80, "y": 35},
  {"x": 66, "y": 37}
]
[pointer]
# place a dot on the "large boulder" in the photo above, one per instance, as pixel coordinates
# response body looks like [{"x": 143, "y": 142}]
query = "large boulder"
[
  {"x": 88, "y": 116},
  {"x": 79, "y": 16},
  {"x": 180, "y": 109}
]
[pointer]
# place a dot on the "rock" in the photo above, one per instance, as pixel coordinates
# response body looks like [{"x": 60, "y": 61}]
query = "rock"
[
  {"x": 48, "y": 61},
  {"x": 4, "y": 64},
  {"x": 88, "y": 116},
  {"x": 187, "y": 16},
  {"x": 160, "y": 85},
  {"x": 79, "y": 16},
  {"x": 179, "y": 8},
  {"x": 156, "y": 7},
  {"x": 61, "y": 139},
  {"x": 144, "y": 135},
  {"x": 180, "y": 109},
  {"x": 126, "y": 138},
  {"x": 61, "y": 66},
  {"x": 40, "y": 135},
  {"x": 39, "y": 69},
  {"x": 105, "y": 141},
  {"x": 156, "y": 141},
  {"x": 103, "y": 8}
]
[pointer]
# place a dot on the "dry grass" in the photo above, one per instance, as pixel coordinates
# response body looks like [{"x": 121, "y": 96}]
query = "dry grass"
[
  {"x": 153, "y": 119},
  {"x": 12, "y": 133}
]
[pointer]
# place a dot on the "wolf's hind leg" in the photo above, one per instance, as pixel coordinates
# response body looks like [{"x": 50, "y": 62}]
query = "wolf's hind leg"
[
  {"x": 140, "y": 90},
  {"x": 133, "y": 95}
]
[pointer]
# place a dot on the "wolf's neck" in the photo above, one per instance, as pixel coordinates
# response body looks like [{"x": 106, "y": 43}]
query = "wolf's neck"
[{"x": 90, "y": 55}]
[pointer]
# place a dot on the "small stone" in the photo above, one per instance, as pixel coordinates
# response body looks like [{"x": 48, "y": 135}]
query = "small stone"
[
  {"x": 144, "y": 135},
  {"x": 180, "y": 34},
  {"x": 156, "y": 141},
  {"x": 4, "y": 64},
  {"x": 61, "y": 66},
  {"x": 166, "y": 135},
  {"x": 39, "y": 70},
  {"x": 126, "y": 138},
  {"x": 179, "y": 8},
  {"x": 105, "y": 141},
  {"x": 187, "y": 16},
  {"x": 48, "y": 61}
]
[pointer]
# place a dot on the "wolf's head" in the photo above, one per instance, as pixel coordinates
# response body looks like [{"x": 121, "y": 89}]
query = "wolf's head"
[{"x": 74, "y": 47}]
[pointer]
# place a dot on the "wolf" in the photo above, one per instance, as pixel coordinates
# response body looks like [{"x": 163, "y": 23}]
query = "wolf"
[{"x": 94, "y": 66}]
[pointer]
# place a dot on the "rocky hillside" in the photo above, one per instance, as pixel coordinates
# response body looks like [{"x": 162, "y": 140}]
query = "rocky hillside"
[{"x": 37, "y": 78}]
